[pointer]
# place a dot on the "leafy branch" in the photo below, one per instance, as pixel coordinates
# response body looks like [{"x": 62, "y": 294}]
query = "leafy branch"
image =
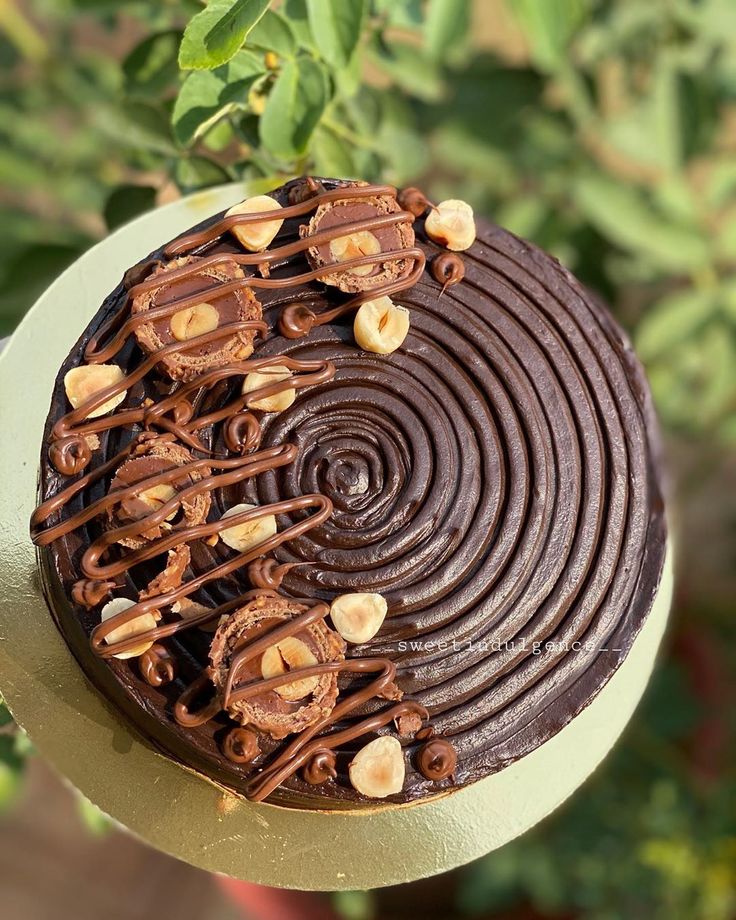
[{"x": 288, "y": 84}]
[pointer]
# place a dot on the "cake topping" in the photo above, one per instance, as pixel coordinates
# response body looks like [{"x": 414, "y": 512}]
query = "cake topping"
[
  {"x": 451, "y": 224},
  {"x": 267, "y": 379},
  {"x": 157, "y": 666},
  {"x": 171, "y": 577},
  {"x": 255, "y": 235},
  {"x": 240, "y": 745},
  {"x": 139, "y": 272},
  {"x": 132, "y": 628},
  {"x": 381, "y": 326},
  {"x": 242, "y": 432},
  {"x": 84, "y": 383},
  {"x": 290, "y": 654},
  {"x": 410, "y": 725},
  {"x": 378, "y": 769},
  {"x": 70, "y": 455},
  {"x": 353, "y": 246},
  {"x": 358, "y": 617},
  {"x": 436, "y": 759},
  {"x": 447, "y": 269},
  {"x": 160, "y": 469},
  {"x": 254, "y": 529},
  {"x": 357, "y": 232},
  {"x": 193, "y": 321},
  {"x": 320, "y": 768},
  {"x": 187, "y": 298},
  {"x": 413, "y": 200},
  {"x": 89, "y": 593},
  {"x": 286, "y": 706}
]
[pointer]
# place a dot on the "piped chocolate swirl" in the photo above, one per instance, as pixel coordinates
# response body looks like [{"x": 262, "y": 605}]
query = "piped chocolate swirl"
[{"x": 494, "y": 479}]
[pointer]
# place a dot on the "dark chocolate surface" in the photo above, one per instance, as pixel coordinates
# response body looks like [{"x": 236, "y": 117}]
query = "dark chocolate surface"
[{"x": 495, "y": 479}]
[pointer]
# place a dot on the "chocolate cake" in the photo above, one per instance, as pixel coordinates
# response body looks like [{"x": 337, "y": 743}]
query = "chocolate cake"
[{"x": 349, "y": 498}]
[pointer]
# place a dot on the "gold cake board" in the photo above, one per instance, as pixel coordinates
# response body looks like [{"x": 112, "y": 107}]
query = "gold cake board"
[{"x": 167, "y": 805}]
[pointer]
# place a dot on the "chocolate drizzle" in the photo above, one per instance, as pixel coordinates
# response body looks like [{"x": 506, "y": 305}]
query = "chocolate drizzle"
[
  {"x": 495, "y": 479},
  {"x": 157, "y": 666}
]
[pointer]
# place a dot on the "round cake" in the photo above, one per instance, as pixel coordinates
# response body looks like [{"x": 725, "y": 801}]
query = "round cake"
[{"x": 348, "y": 498}]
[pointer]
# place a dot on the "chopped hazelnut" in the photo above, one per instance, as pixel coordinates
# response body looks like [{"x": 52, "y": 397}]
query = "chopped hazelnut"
[
  {"x": 258, "y": 235},
  {"x": 138, "y": 625},
  {"x": 243, "y": 537},
  {"x": 289, "y": 655},
  {"x": 362, "y": 243},
  {"x": 273, "y": 374},
  {"x": 193, "y": 321},
  {"x": 81, "y": 383}
]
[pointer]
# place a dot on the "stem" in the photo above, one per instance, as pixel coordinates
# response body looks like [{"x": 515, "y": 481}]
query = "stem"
[{"x": 22, "y": 33}]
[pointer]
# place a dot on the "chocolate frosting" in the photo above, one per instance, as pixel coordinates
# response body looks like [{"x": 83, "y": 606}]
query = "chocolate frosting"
[{"x": 495, "y": 479}]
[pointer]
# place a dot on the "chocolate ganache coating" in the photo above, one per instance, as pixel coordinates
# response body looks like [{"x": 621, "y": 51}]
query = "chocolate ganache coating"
[{"x": 496, "y": 479}]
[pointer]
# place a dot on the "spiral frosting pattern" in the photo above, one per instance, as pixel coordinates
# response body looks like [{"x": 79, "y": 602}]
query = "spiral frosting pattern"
[{"x": 496, "y": 479}]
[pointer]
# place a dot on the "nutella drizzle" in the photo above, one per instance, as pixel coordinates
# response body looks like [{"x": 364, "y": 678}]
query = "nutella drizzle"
[{"x": 173, "y": 418}]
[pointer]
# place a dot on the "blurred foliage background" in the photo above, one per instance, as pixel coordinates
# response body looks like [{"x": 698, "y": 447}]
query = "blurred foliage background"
[{"x": 605, "y": 130}]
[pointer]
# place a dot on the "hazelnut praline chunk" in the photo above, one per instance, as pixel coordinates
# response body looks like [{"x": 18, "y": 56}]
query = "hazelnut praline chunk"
[
  {"x": 269, "y": 711},
  {"x": 333, "y": 215},
  {"x": 197, "y": 319},
  {"x": 155, "y": 458}
]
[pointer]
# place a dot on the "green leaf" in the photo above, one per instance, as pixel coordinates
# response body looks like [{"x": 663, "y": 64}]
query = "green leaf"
[
  {"x": 673, "y": 320},
  {"x": 194, "y": 173},
  {"x": 726, "y": 240},
  {"x": 219, "y": 136},
  {"x": 27, "y": 275},
  {"x": 151, "y": 67},
  {"x": 205, "y": 96},
  {"x": 404, "y": 150},
  {"x": 548, "y": 26},
  {"x": 445, "y": 27},
  {"x": 9, "y": 754},
  {"x": 651, "y": 130},
  {"x": 294, "y": 108},
  {"x": 332, "y": 155},
  {"x": 350, "y": 76},
  {"x": 404, "y": 14},
  {"x": 336, "y": 26},
  {"x": 694, "y": 383},
  {"x": 127, "y": 202},
  {"x": 522, "y": 215},
  {"x": 624, "y": 215},
  {"x": 22, "y": 745},
  {"x": 138, "y": 126},
  {"x": 408, "y": 68},
  {"x": 273, "y": 33},
  {"x": 364, "y": 109},
  {"x": 217, "y": 33},
  {"x": 296, "y": 13}
]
